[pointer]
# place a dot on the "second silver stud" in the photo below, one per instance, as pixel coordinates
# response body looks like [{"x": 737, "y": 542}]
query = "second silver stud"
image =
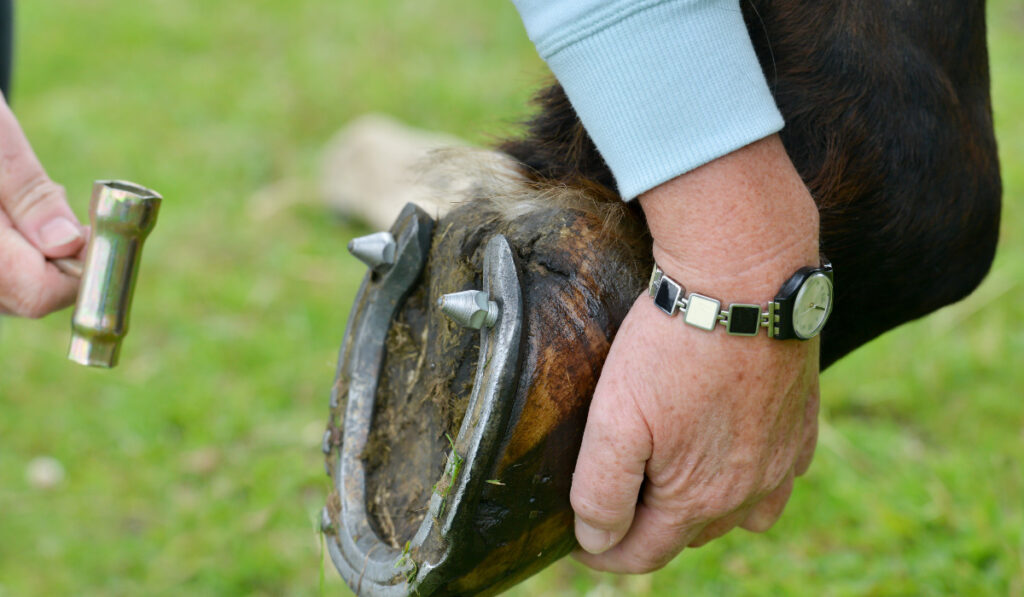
[{"x": 470, "y": 308}]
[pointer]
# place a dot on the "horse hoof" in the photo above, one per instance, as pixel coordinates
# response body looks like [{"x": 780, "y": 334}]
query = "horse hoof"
[{"x": 455, "y": 428}]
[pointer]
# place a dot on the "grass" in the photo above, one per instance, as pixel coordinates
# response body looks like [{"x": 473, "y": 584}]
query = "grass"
[
  {"x": 194, "y": 468},
  {"x": 450, "y": 476}
]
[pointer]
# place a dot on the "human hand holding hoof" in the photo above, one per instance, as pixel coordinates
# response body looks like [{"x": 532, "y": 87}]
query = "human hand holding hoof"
[{"x": 692, "y": 432}]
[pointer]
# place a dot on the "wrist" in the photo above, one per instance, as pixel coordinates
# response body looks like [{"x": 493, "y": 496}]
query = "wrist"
[{"x": 740, "y": 225}]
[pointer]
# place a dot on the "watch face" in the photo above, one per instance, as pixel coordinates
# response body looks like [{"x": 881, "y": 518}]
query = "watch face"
[{"x": 812, "y": 305}]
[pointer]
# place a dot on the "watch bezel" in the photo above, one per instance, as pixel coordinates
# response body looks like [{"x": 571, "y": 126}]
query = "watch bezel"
[
  {"x": 786, "y": 298},
  {"x": 823, "y": 319}
]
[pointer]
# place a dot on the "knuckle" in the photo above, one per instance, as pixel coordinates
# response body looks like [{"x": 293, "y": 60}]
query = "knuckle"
[
  {"x": 774, "y": 478},
  {"x": 676, "y": 517},
  {"x": 33, "y": 193},
  {"x": 591, "y": 511},
  {"x": 763, "y": 488},
  {"x": 720, "y": 501},
  {"x": 37, "y": 302}
]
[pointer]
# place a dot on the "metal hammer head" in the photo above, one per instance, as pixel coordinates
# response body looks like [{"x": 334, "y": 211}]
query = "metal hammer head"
[{"x": 121, "y": 215}]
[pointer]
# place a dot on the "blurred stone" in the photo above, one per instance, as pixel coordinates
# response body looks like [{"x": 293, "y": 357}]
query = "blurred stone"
[
  {"x": 201, "y": 462},
  {"x": 44, "y": 472},
  {"x": 375, "y": 165}
]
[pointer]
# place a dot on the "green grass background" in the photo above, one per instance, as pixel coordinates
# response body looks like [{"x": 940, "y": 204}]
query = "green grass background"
[{"x": 193, "y": 468}]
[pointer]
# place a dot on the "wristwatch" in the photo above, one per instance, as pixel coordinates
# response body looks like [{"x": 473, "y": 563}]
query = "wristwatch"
[{"x": 800, "y": 308}]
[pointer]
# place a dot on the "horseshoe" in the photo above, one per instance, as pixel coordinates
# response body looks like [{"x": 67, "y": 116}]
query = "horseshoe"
[{"x": 364, "y": 559}]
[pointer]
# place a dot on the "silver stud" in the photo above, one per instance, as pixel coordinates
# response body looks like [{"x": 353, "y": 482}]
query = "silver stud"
[
  {"x": 375, "y": 250},
  {"x": 470, "y": 308}
]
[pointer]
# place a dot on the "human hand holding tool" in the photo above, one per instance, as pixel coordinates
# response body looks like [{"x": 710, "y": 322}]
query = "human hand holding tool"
[
  {"x": 38, "y": 230},
  {"x": 44, "y": 260}
]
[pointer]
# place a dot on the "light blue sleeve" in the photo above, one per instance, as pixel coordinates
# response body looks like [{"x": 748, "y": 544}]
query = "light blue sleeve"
[{"x": 662, "y": 86}]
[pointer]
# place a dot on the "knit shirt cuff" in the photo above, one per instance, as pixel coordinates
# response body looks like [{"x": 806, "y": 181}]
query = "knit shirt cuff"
[{"x": 662, "y": 87}]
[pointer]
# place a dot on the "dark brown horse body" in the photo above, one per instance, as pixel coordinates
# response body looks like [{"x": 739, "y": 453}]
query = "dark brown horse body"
[{"x": 888, "y": 121}]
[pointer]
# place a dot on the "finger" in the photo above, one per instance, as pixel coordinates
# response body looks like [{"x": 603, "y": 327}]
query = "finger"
[
  {"x": 720, "y": 527},
  {"x": 610, "y": 468},
  {"x": 69, "y": 267},
  {"x": 806, "y": 454},
  {"x": 764, "y": 513},
  {"x": 36, "y": 205},
  {"x": 29, "y": 285},
  {"x": 655, "y": 537}
]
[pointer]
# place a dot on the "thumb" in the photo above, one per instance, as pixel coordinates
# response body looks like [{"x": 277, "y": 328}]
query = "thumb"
[
  {"x": 35, "y": 204},
  {"x": 610, "y": 468}
]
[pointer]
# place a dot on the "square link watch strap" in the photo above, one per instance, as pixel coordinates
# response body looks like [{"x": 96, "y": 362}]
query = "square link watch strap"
[{"x": 704, "y": 312}]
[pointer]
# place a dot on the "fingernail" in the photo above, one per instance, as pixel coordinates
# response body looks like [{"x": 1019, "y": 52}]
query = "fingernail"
[
  {"x": 58, "y": 232},
  {"x": 593, "y": 540}
]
